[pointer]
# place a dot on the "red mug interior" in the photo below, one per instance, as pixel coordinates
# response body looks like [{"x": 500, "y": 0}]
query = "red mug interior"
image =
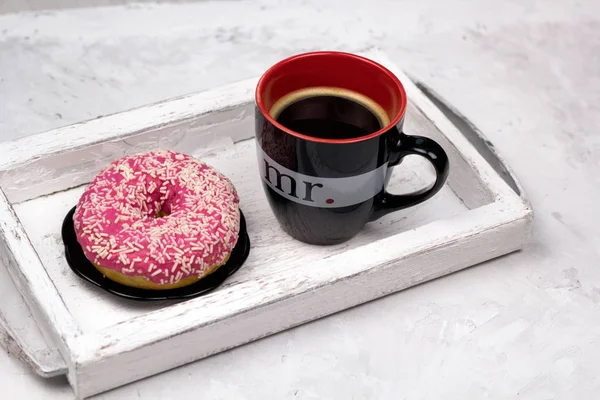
[{"x": 333, "y": 69}]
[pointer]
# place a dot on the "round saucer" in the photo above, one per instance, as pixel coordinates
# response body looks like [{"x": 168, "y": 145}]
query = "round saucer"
[{"x": 84, "y": 268}]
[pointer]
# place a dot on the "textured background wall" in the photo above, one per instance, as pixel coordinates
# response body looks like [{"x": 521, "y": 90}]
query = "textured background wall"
[
  {"x": 14, "y": 6},
  {"x": 527, "y": 72}
]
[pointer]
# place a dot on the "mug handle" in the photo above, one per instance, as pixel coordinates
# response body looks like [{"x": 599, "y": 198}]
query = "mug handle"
[{"x": 413, "y": 145}]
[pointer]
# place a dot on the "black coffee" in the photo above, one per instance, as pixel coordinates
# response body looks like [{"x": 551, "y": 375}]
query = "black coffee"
[{"x": 329, "y": 114}]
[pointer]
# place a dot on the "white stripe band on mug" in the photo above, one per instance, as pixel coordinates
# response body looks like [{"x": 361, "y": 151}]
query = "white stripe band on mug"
[{"x": 320, "y": 192}]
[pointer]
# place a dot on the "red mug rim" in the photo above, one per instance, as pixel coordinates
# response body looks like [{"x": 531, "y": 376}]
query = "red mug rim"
[{"x": 273, "y": 69}]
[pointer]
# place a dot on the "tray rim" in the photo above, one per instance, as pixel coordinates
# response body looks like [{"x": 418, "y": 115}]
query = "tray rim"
[{"x": 84, "y": 352}]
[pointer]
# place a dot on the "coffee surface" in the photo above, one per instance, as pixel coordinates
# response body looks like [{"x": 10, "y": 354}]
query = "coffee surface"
[{"x": 329, "y": 113}]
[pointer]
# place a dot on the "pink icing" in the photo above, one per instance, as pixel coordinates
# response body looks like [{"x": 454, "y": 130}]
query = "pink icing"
[{"x": 117, "y": 226}]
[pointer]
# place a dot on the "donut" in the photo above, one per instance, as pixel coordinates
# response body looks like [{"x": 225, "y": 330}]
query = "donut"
[{"x": 158, "y": 220}]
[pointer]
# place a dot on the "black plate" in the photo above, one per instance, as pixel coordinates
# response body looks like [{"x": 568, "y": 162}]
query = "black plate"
[{"x": 84, "y": 268}]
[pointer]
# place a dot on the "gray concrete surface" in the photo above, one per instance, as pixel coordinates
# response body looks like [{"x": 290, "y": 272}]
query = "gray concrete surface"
[{"x": 527, "y": 72}]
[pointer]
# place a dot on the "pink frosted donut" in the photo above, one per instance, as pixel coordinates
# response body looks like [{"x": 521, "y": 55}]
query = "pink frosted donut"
[{"x": 158, "y": 220}]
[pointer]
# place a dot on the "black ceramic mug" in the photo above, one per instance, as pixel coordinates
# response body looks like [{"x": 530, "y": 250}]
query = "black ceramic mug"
[{"x": 328, "y": 131}]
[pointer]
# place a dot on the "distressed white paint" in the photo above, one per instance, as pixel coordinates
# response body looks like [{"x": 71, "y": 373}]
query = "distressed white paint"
[
  {"x": 20, "y": 334},
  {"x": 108, "y": 342},
  {"x": 20, "y": 259}
]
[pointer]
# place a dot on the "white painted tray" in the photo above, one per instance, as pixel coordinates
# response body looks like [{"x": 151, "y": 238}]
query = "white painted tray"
[{"x": 101, "y": 341}]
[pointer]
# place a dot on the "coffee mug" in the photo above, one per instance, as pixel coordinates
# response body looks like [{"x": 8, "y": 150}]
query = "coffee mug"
[{"x": 328, "y": 130}]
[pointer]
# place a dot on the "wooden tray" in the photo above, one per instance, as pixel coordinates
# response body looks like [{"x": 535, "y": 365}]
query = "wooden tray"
[{"x": 101, "y": 341}]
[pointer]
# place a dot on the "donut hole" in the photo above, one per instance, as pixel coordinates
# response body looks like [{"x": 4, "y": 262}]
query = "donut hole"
[
  {"x": 163, "y": 210},
  {"x": 161, "y": 214},
  {"x": 164, "y": 207}
]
